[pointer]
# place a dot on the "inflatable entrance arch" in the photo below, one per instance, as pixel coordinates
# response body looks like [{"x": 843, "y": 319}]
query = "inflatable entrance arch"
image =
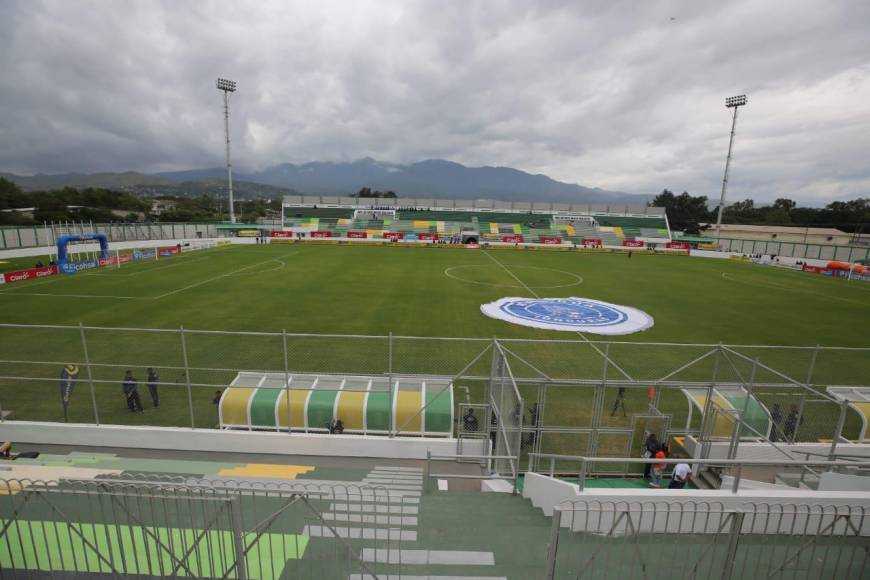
[{"x": 63, "y": 241}]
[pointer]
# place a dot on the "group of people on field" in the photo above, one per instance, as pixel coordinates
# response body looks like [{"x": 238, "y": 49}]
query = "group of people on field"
[{"x": 130, "y": 388}]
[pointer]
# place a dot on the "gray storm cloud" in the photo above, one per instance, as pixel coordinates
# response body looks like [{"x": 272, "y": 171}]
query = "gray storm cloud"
[{"x": 620, "y": 95}]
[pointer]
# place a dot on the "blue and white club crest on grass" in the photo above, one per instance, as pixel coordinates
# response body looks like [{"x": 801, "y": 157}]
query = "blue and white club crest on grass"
[{"x": 570, "y": 314}]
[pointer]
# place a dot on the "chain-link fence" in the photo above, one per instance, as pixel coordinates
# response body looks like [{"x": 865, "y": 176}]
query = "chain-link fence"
[{"x": 555, "y": 396}]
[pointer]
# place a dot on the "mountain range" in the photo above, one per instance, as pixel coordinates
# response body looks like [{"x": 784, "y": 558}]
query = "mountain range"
[{"x": 431, "y": 178}]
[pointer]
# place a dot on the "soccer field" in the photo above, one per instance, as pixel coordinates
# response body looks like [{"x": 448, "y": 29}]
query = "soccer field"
[{"x": 423, "y": 292}]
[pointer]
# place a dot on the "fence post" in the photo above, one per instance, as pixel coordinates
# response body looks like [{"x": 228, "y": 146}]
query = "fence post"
[
  {"x": 581, "y": 481},
  {"x": 286, "y": 380},
  {"x": 238, "y": 538},
  {"x": 708, "y": 405},
  {"x": 187, "y": 377},
  {"x": 553, "y": 546},
  {"x": 733, "y": 541},
  {"x": 390, "y": 354},
  {"x": 800, "y": 414},
  {"x": 428, "y": 471},
  {"x": 844, "y": 406},
  {"x": 90, "y": 374},
  {"x": 735, "y": 485}
]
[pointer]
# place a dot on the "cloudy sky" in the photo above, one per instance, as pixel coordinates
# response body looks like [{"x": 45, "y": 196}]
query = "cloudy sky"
[{"x": 625, "y": 96}]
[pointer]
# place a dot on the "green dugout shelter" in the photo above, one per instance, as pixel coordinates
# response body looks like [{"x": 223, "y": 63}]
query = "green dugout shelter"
[{"x": 367, "y": 405}]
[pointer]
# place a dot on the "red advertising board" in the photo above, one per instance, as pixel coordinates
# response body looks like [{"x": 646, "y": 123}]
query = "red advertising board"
[
  {"x": 551, "y": 240},
  {"x": 394, "y": 235},
  {"x": 172, "y": 250},
  {"x": 592, "y": 242},
  {"x": 281, "y": 234},
  {"x": 677, "y": 245},
  {"x": 29, "y": 274},
  {"x": 107, "y": 261},
  {"x": 805, "y": 268},
  {"x": 632, "y": 243},
  {"x": 324, "y": 234},
  {"x": 512, "y": 239},
  {"x": 427, "y": 236},
  {"x": 358, "y": 235}
]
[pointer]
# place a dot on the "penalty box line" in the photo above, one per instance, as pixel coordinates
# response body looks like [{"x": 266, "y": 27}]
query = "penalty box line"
[
  {"x": 580, "y": 334},
  {"x": 158, "y": 297}
]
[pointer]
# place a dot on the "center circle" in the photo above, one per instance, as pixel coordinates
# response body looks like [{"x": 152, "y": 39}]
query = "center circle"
[{"x": 455, "y": 272}]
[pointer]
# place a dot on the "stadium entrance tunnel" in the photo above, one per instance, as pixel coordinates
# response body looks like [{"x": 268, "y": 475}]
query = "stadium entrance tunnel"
[
  {"x": 470, "y": 239},
  {"x": 415, "y": 406}
]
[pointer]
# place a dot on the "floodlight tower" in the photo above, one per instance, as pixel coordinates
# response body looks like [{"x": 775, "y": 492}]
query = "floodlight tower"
[
  {"x": 731, "y": 103},
  {"x": 228, "y": 87}
]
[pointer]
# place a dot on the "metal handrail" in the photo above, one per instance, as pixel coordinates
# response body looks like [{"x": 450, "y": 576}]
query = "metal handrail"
[{"x": 738, "y": 463}]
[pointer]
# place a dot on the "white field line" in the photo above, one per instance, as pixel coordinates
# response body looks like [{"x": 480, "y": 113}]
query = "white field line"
[
  {"x": 116, "y": 274},
  {"x": 609, "y": 360},
  {"x": 781, "y": 287},
  {"x": 201, "y": 282},
  {"x": 58, "y": 295},
  {"x": 276, "y": 268},
  {"x": 60, "y": 276}
]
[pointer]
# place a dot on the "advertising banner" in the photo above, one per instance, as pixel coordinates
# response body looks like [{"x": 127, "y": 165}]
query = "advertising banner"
[
  {"x": 812, "y": 269},
  {"x": 551, "y": 240},
  {"x": 30, "y": 273},
  {"x": 171, "y": 251},
  {"x": 106, "y": 261},
  {"x": 144, "y": 255},
  {"x": 246, "y": 234},
  {"x": 73, "y": 267},
  {"x": 427, "y": 236},
  {"x": 677, "y": 245},
  {"x": 394, "y": 235},
  {"x": 357, "y": 235},
  {"x": 592, "y": 242},
  {"x": 632, "y": 244},
  {"x": 512, "y": 239},
  {"x": 320, "y": 234},
  {"x": 281, "y": 234}
]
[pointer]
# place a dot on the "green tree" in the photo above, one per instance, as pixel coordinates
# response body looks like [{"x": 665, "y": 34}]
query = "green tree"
[{"x": 685, "y": 212}]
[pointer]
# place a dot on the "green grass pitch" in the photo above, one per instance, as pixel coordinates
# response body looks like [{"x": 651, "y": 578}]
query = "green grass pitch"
[{"x": 424, "y": 292}]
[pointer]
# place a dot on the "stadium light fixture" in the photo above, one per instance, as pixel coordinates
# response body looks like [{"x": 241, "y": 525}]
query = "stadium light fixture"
[
  {"x": 228, "y": 86},
  {"x": 731, "y": 103}
]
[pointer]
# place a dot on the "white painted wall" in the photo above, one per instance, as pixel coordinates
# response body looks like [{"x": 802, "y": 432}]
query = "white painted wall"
[
  {"x": 831, "y": 481},
  {"x": 231, "y": 441},
  {"x": 545, "y": 493}
]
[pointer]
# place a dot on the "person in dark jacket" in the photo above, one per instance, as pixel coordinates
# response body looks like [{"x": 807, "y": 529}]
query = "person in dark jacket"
[
  {"x": 153, "y": 379},
  {"x": 131, "y": 392},
  {"x": 651, "y": 447}
]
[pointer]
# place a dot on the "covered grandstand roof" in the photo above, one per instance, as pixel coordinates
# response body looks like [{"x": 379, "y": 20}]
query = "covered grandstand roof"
[{"x": 479, "y": 205}]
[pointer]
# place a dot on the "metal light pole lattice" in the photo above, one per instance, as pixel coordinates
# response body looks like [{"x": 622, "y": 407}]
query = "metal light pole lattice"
[
  {"x": 228, "y": 87},
  {"x": 731, "y": 103}
]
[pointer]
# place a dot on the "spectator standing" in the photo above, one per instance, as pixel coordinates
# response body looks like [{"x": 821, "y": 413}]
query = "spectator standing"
[
  {"x": 153, "y": 379},
  {"x": 130, "y": 388},
  {"x": 470, "y": 423},
  {"x": 680, "y": 476},
  {"x": 659, "y": 468},
  {"x": 776, "y": 417},
  {"x": 650, "y": 447},
  {"x": 533, "y": 422},
  {"x": 791, "y": 423}
]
